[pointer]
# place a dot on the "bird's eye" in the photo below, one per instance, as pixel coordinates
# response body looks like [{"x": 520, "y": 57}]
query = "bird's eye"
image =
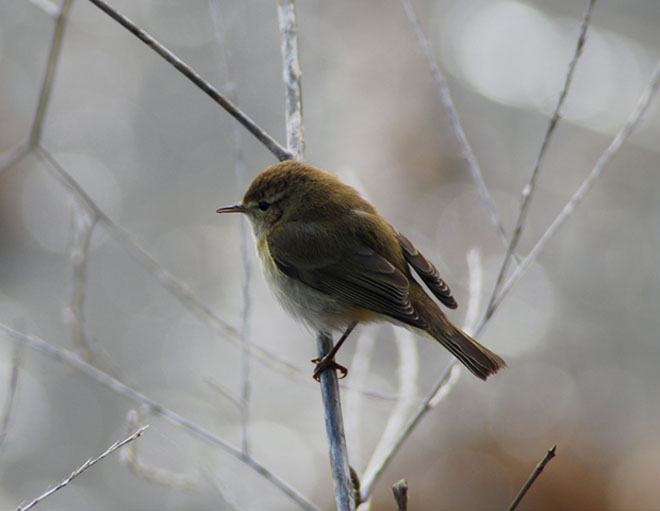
[{"x": 263, "y": 205}]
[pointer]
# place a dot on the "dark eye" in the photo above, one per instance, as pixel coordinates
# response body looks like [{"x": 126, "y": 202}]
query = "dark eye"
[{"x": 263, "y": 205}]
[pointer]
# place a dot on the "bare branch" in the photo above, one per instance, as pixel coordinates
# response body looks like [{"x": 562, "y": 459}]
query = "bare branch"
[
  {"x": 609, "y": 153},
  {"x": 537, "y": 472},
  {"x": 89, "y": 463},
  {"x": 344, "y": 492},
  {"x": 454, "y": 121},
  {"x": 72, "y": 360},
  {"x": 295, "y": 138},
  {"x": 193, "y": 76},
  {"x": 530, "y": 188}
]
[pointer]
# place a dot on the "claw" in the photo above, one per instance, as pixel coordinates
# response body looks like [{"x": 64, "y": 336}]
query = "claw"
[{"x": 322, "y": 364}]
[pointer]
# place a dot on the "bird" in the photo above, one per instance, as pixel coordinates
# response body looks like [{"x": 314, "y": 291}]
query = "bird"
[{"x": 333, "y": 261}]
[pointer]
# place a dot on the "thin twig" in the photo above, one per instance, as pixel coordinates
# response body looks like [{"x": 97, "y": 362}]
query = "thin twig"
[
  {"x": 47, "y": 83},
  {"x": 537, "y": 472},
  {"x": 530, "y": 188},
  {"x": 89, "y": 463},
  {"x": 201, "y": 83},
  {"x": 609, "y": 153},
  {"x": 344, "y": 493},
  {"x": 454, "y": 121},
  {"x": 295, "y": 138},
  {"x": 400, "y": 491},
  {"x": 71, "y": 359},
  {"x": 245, "y": 240}
]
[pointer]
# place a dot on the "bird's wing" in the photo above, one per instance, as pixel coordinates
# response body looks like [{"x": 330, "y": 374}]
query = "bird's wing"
[
  {"x": 425, "y": 269},
  {"x": 352, "y": 272}
]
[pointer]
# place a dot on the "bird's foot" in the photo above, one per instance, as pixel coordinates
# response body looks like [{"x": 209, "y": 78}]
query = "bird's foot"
[{"x": 326, "y": 362}]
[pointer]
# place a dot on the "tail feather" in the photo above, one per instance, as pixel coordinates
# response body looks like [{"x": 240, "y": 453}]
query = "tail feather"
[{"x": 477, "y": 358}]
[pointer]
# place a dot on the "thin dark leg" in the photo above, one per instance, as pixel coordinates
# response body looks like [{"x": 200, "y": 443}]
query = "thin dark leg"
[{"x": 328, "y": 360}]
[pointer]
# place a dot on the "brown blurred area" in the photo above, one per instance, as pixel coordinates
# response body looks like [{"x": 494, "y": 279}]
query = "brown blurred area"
[{"x": 579, "y": 332}]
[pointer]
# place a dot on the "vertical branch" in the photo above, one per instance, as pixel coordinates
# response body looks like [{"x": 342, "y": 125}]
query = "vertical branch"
[
  {"x": 344, "y": 492},
  {"x": 528, "y": 191},
  {"x": 295, "y": 138},
  {"x": 47, "y": 84},
  {"x": 239, "y": 171}
]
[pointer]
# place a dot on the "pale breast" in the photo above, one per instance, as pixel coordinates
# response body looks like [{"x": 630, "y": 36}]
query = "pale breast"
[{"x": 318, "y": 310}]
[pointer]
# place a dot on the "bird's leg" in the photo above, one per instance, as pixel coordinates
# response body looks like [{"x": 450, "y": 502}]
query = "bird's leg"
[{"x": 328, "y": 360}]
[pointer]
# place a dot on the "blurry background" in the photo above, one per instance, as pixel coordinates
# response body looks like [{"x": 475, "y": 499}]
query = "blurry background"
[{"x": 579, "y": 332}]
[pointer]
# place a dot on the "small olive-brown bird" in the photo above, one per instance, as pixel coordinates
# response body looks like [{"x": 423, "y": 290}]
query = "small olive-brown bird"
[{"x": 334, "y": 261}]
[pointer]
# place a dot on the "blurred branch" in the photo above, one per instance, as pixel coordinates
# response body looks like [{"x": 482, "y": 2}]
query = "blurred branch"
[
  {"x": 454, "y": 121},
  {"x": 137, "y": 466},
  {"x": 408, "y": 375},
  {"x": 620, "y": 138},
  {"x": 530, "y": 188},
  {"x": 344, "y": 492},
  {"x": 295, "y": 138},
  {"x": 12, "y": 386},
  {"x": 201, "y": 83},
  {"x": 177, "y": 288},
  {"x": 72, "y": 360},
  {"x": 537, "y": 472},
  {"x": 90, "y": 462},
  {"x": 400, "y": 491},
  {"x": 239, "y": 171},
  {"x": 47, "y": 84},
  {"x": 83, "y": 227}
]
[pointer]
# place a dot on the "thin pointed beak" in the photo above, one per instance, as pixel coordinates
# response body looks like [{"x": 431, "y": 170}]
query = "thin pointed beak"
[{"x": 237, "y": 208}]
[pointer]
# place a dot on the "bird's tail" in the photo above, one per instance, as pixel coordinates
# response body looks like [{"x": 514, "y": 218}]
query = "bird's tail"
[{"x": 477, "y": 358}]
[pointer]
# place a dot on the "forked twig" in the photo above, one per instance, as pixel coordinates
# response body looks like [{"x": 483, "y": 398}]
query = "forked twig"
[{"x": 530, "y": 188}]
